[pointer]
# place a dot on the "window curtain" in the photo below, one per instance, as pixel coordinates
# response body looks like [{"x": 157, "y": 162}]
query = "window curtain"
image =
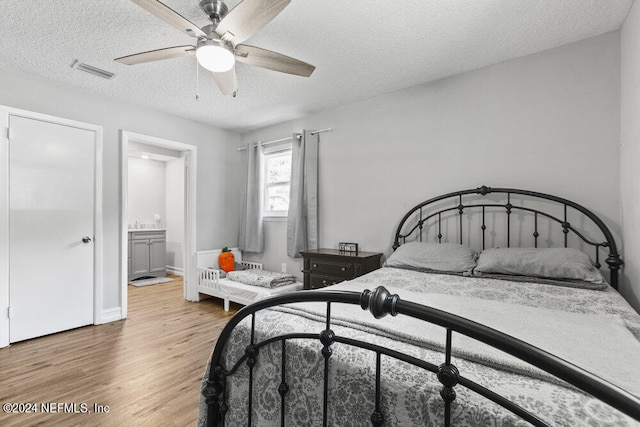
[
  {"x": 302, "y": 221},
  {"x": 251, "y": 236}
]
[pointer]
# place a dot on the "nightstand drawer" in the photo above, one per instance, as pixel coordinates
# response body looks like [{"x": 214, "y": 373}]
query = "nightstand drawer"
[
  {"x": 317, "y": 282},
  {"x": 331, "y": 268}
]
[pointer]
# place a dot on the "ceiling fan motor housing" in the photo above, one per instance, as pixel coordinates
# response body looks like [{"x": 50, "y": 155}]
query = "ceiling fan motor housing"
[{"x": 214, "y": 9}]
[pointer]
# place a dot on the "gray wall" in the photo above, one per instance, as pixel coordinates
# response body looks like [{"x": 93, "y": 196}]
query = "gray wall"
[
  {"x": 216, "y": 225},
  {"x": 630, "y": 154},
  {"x": 547, "y": 122}
]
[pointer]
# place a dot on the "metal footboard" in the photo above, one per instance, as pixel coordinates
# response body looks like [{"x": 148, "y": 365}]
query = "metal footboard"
[{"x": 381, "y": 303}]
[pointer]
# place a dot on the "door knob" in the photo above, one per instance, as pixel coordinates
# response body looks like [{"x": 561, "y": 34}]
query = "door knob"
[{"x": 86, "y": 239}]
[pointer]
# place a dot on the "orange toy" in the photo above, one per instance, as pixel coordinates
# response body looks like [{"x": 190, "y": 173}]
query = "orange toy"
[{"x": 226, "y": 260}]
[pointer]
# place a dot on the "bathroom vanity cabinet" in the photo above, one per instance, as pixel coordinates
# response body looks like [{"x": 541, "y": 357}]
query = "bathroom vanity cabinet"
[{"x": 147, "y": 253}]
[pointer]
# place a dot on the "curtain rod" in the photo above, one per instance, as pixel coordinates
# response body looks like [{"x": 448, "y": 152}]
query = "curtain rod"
[
  {"x": 287, "y": 138},
  {"x": 313, "y": 132}
]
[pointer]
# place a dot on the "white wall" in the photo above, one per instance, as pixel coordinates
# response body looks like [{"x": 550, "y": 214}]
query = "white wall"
[
  {"x": 216, "y": 225},
  {"x": 547, "y": 122},
  {"x": 630, "y": 154},
  {"x": 146, "y": 191},
  {"x": 175, "y": 214}
]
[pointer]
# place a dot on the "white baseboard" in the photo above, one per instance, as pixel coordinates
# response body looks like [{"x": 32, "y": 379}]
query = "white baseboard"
[
  {"x": 111, "y": 315},
  {"x": 175, "y": 270}
]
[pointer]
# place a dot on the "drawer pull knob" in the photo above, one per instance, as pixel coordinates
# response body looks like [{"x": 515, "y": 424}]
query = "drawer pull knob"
[
  {"x": 315, "y": 265},
  {"x": 343, "y": 269},
  {"x": 324, "y": 282}
]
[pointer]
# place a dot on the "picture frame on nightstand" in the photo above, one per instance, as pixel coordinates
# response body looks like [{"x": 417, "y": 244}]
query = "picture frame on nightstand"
[{"x": 348, "y": 247}]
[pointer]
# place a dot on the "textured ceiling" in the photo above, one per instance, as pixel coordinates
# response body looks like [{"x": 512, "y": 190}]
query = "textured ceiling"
[{"x": 361, "y": 48}]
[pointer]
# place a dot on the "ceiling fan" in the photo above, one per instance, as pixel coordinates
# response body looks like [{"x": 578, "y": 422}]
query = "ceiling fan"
[{"x": 219, "y": 44}]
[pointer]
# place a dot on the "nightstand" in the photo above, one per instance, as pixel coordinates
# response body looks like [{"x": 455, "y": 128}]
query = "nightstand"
[{"x": 324, "y": 267}]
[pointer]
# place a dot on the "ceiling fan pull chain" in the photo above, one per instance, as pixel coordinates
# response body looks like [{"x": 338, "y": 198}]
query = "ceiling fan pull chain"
[{"x": 197, "y": 81}]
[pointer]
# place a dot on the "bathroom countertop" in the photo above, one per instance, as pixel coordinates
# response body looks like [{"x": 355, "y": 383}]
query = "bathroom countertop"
[{"x": 133, "y": 230}]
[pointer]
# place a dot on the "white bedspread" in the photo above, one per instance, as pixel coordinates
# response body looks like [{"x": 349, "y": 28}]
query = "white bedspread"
[{"x": 247, "y": 294}]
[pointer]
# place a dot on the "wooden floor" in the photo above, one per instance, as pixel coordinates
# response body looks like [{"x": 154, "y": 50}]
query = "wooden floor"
[{"x": 147, "y": 369}]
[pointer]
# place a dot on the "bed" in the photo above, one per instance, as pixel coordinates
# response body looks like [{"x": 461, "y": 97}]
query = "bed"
[
  {"x": 445, "y": 334},
  {"x": 213, "y": 282}
]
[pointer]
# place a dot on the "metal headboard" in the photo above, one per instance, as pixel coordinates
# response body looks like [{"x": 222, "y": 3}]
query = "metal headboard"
[{"x": 432, "y": 211}]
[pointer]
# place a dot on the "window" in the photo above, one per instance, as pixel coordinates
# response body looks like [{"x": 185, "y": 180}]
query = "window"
[{"x": 277, "y": 168}]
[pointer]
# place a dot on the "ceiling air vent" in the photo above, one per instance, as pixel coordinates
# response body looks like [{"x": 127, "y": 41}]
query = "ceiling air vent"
[{"x": 92, "y": 70}]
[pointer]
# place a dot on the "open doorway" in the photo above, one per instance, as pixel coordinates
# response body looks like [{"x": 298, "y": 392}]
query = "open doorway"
[
  {"x": 152, "y": 158},
  {"x": 155, "y": 212}
]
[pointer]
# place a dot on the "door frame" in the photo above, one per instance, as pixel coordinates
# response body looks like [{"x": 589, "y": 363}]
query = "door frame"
[
  {"x": 189, "y": 249},
  {"x": 5, "y": 113}
]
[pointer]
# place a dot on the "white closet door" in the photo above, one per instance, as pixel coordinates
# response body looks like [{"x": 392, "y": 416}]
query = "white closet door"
[{"x": 51, "y": 219}]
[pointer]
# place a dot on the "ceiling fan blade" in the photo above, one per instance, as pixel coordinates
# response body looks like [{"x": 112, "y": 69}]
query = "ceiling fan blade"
[
  {"x": 227, "y": 82},
  {"x": 273, "y": 61},
  {"x": 157, "y": 55},
  {"x": 247, "y": 18},
  {"x": 170, "y": 16}
]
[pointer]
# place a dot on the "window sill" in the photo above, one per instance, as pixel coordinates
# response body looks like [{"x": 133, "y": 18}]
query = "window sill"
[{"x": 274, "y": 218}]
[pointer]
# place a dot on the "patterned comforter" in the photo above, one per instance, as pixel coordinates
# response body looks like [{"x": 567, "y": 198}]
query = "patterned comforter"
[{"x": 599, "y": 330}]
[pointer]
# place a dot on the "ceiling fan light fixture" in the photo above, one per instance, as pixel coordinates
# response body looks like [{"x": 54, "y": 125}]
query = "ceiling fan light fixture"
[{"x": 215, "y": 55}]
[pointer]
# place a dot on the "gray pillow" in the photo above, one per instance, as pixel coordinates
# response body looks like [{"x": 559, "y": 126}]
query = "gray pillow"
[
  {"x": 438, "y": 257},
  {"x": 236, "y": 266},
  {"x": 551, "y": 263}
]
